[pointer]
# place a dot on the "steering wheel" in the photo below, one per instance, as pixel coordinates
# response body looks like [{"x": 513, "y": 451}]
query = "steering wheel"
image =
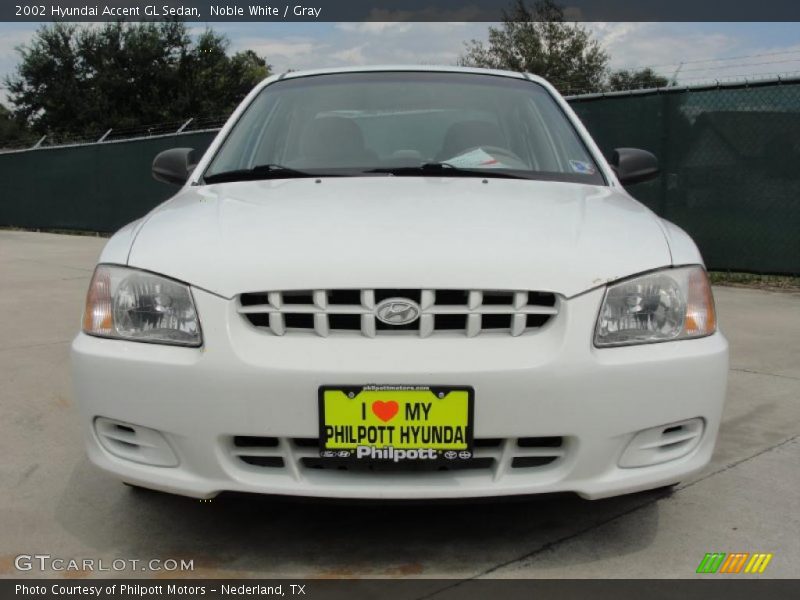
[{"x": 496, "y": 152}]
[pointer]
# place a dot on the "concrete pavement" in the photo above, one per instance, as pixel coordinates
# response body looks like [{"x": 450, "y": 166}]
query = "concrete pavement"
[{"x": 52, "y": 501}]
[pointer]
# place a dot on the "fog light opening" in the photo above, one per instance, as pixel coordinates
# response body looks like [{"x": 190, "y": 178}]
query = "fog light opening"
[
  {"x": 664, "y": 443},
  {"x": 135, "y": 443}
]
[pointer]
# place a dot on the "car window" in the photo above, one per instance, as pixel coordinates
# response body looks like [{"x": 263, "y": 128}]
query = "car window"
[{"x": 357, "y": 122}]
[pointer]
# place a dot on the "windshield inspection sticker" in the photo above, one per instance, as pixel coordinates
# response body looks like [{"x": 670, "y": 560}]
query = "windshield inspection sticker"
[{"x": 581, "y": 167}]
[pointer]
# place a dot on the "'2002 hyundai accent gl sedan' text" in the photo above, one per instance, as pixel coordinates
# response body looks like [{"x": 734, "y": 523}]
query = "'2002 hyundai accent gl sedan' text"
[{"x": 401, "y": 283}]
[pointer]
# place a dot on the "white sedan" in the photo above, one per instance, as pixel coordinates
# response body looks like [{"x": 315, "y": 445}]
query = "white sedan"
[{"x": 413, "y": 282}]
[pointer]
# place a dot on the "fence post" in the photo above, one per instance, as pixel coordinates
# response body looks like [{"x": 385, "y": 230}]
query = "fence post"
[{"x": 665, "y": 154}]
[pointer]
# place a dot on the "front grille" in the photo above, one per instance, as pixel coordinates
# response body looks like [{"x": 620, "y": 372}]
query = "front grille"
[
  {"x": 496, "y": 455},
  {"x": 466, "y": 312}
]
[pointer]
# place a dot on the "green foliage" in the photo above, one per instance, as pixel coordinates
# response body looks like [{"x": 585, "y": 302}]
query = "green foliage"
[
  {"x": 755, "y": 280},
  {"x": 625, "y": 79},
  {"x": 539, "y": 40},
  {"x": 75, "y": 78},
  {"x": 10, "y": 129}
]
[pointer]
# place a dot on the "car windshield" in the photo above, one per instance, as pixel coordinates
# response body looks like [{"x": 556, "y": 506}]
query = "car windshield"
[{"x": 404, "y": 123}]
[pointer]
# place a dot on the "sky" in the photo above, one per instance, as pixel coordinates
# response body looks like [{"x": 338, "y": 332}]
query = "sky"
[{"x": 708, "y": 51}]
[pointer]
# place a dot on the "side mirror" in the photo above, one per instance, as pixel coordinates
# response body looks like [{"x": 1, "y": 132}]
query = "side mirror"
[
  {"x": 633, "y": 165},
  {"x": 174, "y": 165}
]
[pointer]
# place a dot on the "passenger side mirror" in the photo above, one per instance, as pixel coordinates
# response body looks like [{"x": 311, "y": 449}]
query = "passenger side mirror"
[
  {"x": 633, "y": 165},
  {"x": 174, "y": 166}
]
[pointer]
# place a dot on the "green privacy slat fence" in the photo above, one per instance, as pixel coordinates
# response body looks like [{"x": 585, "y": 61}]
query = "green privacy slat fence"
[
  {"x": 93, "y": 187},
  {"x": 730, "y": 158}
]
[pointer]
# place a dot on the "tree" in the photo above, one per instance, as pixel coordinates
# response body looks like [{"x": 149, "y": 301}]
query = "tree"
[
  {"x": 10, "y": 129},
  {"x": 81, "y": 79},
  {"x": 538, "y": 40},
  {"x": 625, "y": 79}
]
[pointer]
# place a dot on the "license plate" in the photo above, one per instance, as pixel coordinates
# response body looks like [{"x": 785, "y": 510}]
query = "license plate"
[{"x": 396, "y": 423}]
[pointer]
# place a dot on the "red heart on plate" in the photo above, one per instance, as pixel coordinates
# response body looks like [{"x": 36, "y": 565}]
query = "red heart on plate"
[{"x": 385, "y": 411}]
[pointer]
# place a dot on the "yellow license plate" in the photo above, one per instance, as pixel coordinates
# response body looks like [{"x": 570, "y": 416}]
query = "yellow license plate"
[{"x": 382, "y": 422}]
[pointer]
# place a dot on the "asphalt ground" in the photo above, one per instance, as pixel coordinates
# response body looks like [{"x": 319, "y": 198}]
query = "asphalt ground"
[{"x": 52, "y": 501}]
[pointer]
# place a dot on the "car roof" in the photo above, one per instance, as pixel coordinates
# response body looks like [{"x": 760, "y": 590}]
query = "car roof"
[{"x": 412, "y": 68}]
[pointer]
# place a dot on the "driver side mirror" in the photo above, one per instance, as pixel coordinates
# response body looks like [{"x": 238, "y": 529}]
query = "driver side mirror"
[
  {"x": 633, "y": 165},
  {"x": 174, "y": 166}
]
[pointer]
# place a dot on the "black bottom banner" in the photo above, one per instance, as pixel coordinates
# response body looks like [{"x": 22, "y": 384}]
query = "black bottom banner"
[{"x": 411, "y": 589}]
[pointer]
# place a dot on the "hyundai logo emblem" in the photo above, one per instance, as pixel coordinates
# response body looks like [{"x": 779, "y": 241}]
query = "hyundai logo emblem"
[{"x": 397, "y": 311}]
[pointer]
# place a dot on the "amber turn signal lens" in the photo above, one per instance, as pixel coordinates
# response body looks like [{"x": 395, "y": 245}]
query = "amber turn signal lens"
[
  {"x": 97, "y": 317},
  {"x": 701, "y": 318}
]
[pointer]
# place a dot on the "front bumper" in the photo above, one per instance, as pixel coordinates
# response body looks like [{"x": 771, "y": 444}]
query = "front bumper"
[{"x": 244, "y": 382}]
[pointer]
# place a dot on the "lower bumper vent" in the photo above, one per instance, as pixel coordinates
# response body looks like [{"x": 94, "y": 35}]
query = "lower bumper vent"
[
  {"x": 258, "y": 451},
  {"x": 490, "y": 454},
  {"x": 135, "y": 443},
  {"x": 662, "y": 444}
]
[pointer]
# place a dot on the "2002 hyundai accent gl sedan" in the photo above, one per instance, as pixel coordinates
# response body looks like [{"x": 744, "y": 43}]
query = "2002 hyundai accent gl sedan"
[{"x": 401, "y": 283}]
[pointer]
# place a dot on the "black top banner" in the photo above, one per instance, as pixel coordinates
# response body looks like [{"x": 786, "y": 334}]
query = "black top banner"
[{"x": 390, "y": 10}]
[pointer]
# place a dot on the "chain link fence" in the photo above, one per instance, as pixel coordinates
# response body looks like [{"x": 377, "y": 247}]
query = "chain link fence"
[
  {"x": 52, "y": 140},
  {"x": 730, "y": 157}
]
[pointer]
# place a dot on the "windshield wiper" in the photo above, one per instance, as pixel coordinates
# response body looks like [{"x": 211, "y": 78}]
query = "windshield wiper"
[
  {"x": 444, "y": 169},
  {"x": 270, "y": 171}
]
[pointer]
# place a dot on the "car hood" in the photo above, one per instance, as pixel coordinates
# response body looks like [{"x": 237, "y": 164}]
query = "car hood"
[{"x": 399, "y": 232}]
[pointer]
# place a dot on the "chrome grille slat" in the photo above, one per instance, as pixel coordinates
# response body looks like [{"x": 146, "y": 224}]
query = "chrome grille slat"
[
  {"x": 275, "y": 299},
  {"x": 426, "y": 324},
  {"x": 368, "y": 299},
  {"x": 520, "y": 299},
  {"x": 473, "y": 324},
  {"x": 368, "y": 324},
  {"x": 475, "y": 299},
  {"x": 276, "y": 323},
  {"x": 518, "y": 323},
  {"x": 427, "y": 299},
  {"x": 468, "y": 312},
  {"x": 321, "y": 324},
  {"x": 321, "y": 299}
]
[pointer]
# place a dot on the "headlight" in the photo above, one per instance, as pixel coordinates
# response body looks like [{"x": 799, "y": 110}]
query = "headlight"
[
  {"x": 135, "y": 305},
  {"x": 671, "y": 304}
]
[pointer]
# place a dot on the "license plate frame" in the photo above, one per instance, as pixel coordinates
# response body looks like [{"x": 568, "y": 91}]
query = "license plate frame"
[{"x": 447, "y": 435}]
